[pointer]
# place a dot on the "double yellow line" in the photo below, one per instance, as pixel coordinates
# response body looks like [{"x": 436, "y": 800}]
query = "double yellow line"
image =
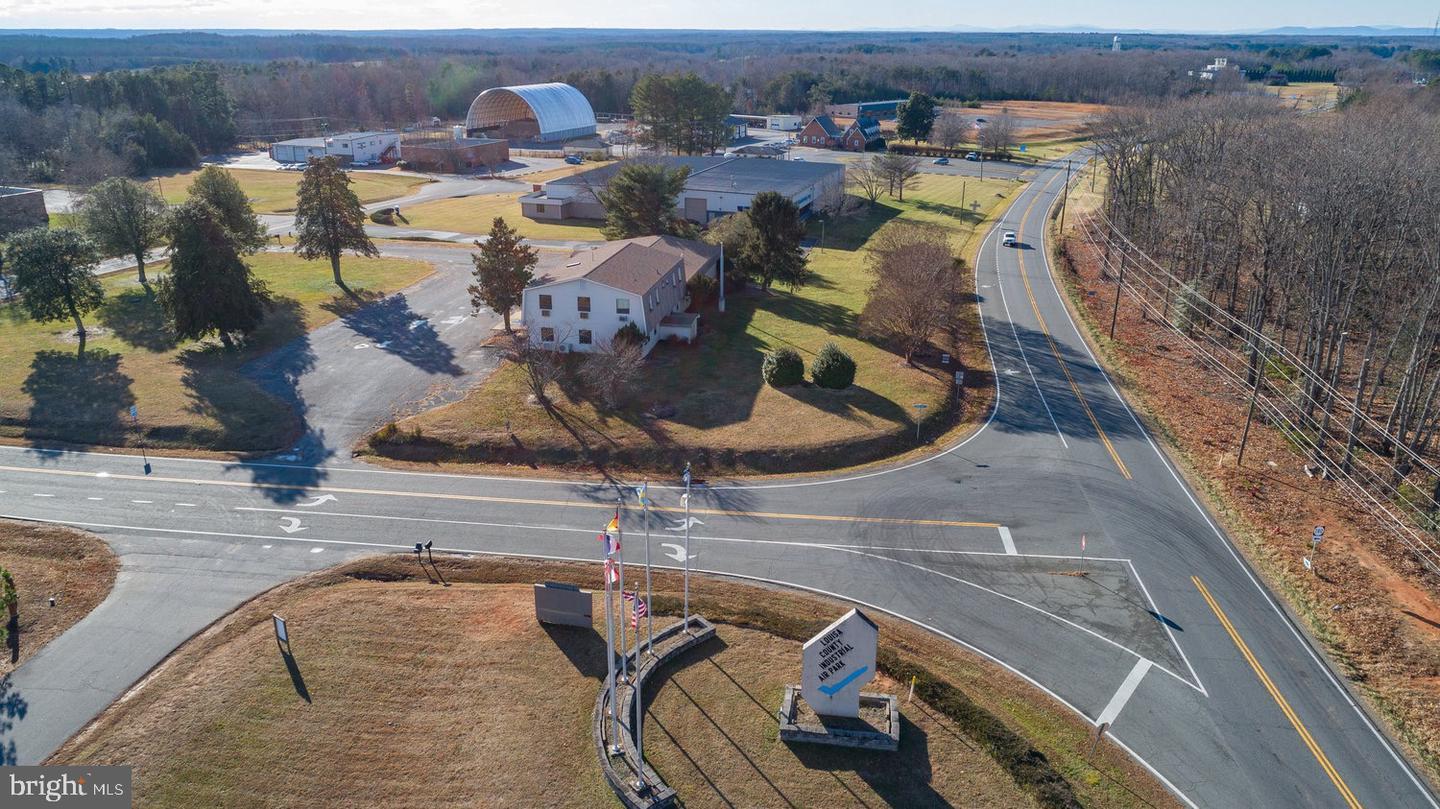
[
  {"x": 1055, "y": 348},
  {"x": 1279, "y": 698}
]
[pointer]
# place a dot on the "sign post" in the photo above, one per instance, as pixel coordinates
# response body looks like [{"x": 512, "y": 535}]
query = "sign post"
[
  {"x": 282, "y": 632},
  {"x": 1315, "y": 539},
  {"x": 837, "y": 662},
  {"x": 919, "y": 409}
]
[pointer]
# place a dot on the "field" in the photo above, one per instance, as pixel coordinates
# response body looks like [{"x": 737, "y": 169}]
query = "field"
[
  {"x": 1307, "y": 95},
  {"x": 720, "y": 406},
  {"x": 397, "y": 691},
  {"x": 274, "y": 191},
  {"x": 188, "y": 394},
  {"x": 49, "y": 560},
  {"x": 474, "y": 215}
]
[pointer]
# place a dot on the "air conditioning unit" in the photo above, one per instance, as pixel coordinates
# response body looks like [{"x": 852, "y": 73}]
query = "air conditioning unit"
[
  {"x": 584, "y": 315},
  {"x": 544, "y": 312}
]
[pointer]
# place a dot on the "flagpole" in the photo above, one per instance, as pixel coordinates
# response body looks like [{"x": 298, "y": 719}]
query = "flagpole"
[
  {"x": 620, "y": 541},
  {"x": 649, "y": 591},
  {"x": 687, "y": 548},
  {"x": 610, "y": 655}
]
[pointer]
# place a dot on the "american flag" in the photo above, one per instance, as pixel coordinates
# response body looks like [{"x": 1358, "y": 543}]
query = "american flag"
[{"x": 638, "y": 611}]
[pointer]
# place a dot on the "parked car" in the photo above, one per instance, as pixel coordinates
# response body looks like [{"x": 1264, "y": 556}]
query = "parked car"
[
  {"x": 574, "y": 159},
  {"x": 941, "y": 161},
  {"x": 981, "y": 121},
  {"x": 1009, "y": 239},
  {"x": 971, "y": 156}
]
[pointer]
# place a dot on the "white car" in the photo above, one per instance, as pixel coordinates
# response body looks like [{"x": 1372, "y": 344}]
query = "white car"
[{"x": 1009, "y": 239}]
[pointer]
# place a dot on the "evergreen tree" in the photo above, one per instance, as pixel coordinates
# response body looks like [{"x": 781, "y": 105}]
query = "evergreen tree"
[
  {"x": 502, "y": 270},
  {"x": 640, "y": 201},
  {"x": 328, "y": 219},
  {"x": 773, "y": 251},
  {"x": 124, "y": 218},
  {"x": 915, "y": 117},
  {"x": 210, "y": 289},
  {"x": 54, "y": 274},
  {"x": 217, "y": 187},
  {"x": 682, "y": 112}
]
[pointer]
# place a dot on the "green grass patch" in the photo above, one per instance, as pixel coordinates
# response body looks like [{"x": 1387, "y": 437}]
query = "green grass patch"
[
  {"x": 475, "y": 214},
  {"x": 274, "y": 191},
  {"x": 189, "y": 394}
]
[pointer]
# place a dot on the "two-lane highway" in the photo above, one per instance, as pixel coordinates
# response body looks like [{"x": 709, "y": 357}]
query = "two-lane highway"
[{"x": 1167, "y": 638}]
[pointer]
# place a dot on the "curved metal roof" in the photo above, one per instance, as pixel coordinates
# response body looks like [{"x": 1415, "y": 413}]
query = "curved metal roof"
[{"x": 558, "y": 108}]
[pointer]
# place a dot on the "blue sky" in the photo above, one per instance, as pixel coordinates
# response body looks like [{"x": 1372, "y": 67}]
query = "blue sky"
[{"x": 831, "y": 15}]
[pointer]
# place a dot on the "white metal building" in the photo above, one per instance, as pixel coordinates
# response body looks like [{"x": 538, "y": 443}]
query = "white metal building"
[
  {"x": 542, "y": 112},
  {"x": 784, "y": 123},
  {"x": 350, "y": 147}
]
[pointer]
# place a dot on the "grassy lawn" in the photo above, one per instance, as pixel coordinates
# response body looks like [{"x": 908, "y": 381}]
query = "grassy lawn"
[
  {"x": 1307, "y": 95},
  {"x": 63, "y": 220},
  {"x": 401, "y": 692},
  {"x": 188, "y": 394},
  {"x": 274, "y": 191},
  {"x": 75, "y": 567},
  {"x": 474, "y": 215},
  {"x": 717, "y": 400}
]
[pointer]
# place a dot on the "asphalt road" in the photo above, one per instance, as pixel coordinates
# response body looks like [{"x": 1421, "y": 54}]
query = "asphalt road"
[{"x": 1169, "y": 640}]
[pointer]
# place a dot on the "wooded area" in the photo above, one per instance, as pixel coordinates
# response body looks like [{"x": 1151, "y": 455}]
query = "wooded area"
[{"x": 1303, "y": 254}]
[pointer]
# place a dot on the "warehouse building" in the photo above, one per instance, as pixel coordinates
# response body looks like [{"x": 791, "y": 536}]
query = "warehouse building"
[
  {"x": 880, "y": 110},
  {"x": 368, "y": 148},
  {"x": 454, "y": 155},
  {"x": 545, "y": 113},
  {"x": 716, "y": 186}
]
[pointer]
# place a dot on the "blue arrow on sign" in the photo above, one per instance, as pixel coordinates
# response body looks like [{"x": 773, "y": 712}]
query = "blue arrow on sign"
[{"x": 832, "y": 690}]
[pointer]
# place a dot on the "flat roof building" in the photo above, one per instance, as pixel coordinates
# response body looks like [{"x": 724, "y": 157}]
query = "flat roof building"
[
  {"x": 716, "y": 186},
  {"x": 350, "y": 147},
  {"x": 546, "y": 113}
]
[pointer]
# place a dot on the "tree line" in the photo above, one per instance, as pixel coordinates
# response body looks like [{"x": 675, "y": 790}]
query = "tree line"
[{"x": 1307, "y": 249}]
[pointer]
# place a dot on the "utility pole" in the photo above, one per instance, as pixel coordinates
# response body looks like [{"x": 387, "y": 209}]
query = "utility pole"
[
  {"x": 1250, "y": 414},
  {"x": 1120, "y": 285},
  {"x": 1064, "y": 200},
  {"x": 1330, "y": 401}
]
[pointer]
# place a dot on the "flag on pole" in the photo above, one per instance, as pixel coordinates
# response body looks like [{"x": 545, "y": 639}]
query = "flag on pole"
[
  {"x": 686, "y": 476},
  {"x": 1082, "y": 543},
  {"x": 638, "y": 610},
  {"x": 642, "y": 494},
  {"x": 614, "y": 526},
  {"x": 612, "y": 570}
]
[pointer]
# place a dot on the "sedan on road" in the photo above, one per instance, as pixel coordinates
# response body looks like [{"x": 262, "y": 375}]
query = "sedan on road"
[
  {"x": 1009, "y": 239},
  {"x": 941, "y": 161}
]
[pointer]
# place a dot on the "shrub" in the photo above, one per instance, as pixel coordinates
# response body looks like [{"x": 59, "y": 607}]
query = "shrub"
[
  {"x": 384, "y": 216},
  {"x": 783, "y": 368},
  {"x": 703, "y": 289},
  {"x": 832, "y": 368},
  {"x": 629, "y": 334}
]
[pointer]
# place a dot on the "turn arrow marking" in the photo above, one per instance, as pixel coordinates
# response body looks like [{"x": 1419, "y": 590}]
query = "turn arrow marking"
[
  {"x": 681, "y": 526},
  {"x": 678, "y": 554},
  {"x": 324, "y": 498},
  {"x": 290, "y": 525}
]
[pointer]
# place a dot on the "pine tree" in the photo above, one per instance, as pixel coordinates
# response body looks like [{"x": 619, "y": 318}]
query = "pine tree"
[
  {"x": 502, "y": 270},
  {"x": 222, "y": 191},
  {"x": 773, "y": 249},
  {"x": 640, "y": 201},
  {"x": 328, "y": 218}
]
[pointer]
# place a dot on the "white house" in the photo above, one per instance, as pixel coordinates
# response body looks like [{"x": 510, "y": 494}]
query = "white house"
[{"x": 578, "y": 301}]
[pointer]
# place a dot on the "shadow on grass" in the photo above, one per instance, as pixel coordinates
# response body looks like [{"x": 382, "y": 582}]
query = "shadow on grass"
[
  {"x": 582, "y": 646},
  {"x": 901, "y": 778},
  {"x": 135, "y": 316},
  {"x": 965, "y": 215},
  {"x": 81, "y": 399},
  {"x": 848, "y": 404},
  {"x": 851, "y": 233},
  {"x": 296, "y": 678}
]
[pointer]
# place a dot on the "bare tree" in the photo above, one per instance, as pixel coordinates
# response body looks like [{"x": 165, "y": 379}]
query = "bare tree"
[
  {"x": 900, "y": 172},
  {"x": 868, "y": 177},
  {"x": 612, "y": 369},
  {"x": 998, "y": 135},
  {"x": 949, "y": 130},
  {"x": 915, "y": 289},
  {"x": 540, "y": 366}
]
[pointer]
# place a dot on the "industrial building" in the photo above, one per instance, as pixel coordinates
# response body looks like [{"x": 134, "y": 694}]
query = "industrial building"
[
  {"x": 453, "y": 155},
  {"x": 544, "y": 113},
  {"x": 21, "y": 208},
  {"x": 881, "y": 110},
  {"x": 370, "y": 148},
  {"x": 716, "y": 186}
]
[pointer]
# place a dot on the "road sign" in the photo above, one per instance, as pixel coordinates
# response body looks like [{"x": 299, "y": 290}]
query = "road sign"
[
  {"x": 282, "y": 634},
  {"x": 134, "y": 413},
  {"x": 1022, "y": 147},
  {"x": 1319, "y": 533},
  {"x": 1308, "y": 564},
  {"x": 837, "y": 662}
]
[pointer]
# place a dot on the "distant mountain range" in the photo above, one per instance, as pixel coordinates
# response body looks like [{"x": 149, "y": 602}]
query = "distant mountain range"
[{"x": 1289, "y": 30}]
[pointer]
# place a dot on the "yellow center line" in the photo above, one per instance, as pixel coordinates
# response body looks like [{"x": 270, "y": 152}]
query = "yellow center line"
[
  {"x": 525, "y": 501},
  {"x": 1055, "y": 348},
  {"x": 1279, "y": 698}
]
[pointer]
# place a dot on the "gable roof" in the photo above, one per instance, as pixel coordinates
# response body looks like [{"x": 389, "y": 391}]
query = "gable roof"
[
  {"x": 828, "y": 124},
  {"x": 869, "y": 127},
  {"x": 628, "y": 265},
  {"x": 695, "y": 255}
]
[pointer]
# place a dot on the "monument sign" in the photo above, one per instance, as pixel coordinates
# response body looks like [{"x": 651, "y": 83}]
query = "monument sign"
[
  {"x": 566, "y": 604},
  {"x": 837, "y": 662}
]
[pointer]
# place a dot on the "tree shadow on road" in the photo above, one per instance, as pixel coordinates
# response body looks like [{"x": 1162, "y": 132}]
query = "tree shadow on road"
[
  {"x": 13, "y": 708},
  {"x": 392, "y": 326}
]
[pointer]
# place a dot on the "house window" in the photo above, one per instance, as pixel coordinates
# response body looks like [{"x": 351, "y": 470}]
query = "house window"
[
  {"x": 547, "y": 334},
  {"x": 539, "y": 209},
  {"x": 545, "y": 302},
  {"x": 584, "y": 337},
  {"x": 622, "y": 306},
  {"x": 582, "y": 304}
]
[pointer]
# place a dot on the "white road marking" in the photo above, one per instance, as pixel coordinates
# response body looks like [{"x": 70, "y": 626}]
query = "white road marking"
[
  {"x": 42, "y": 495},
  {"x": 94, "y": 498},
  {"x": 143, "y": 502},
  {"x": 1023, "y": 358},
  {"x": 416, "y": 323},
  {"x": 102, "y": 474},
  {"x": 267, "y": 547},
  {"x": 316, "y": 550},
  {"x": 291, "y": 525},
  {"x": 1123, "y": 694},
  {"x": 1007, "y": 541},
  {"x": 362, "y": 345},
  {"x": 186, "y": 505}
]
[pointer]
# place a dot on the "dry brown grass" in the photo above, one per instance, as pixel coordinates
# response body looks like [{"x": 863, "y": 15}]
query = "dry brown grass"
[
  {"x": 75, "y": 567},
  {"x": 408, "y": 677}
]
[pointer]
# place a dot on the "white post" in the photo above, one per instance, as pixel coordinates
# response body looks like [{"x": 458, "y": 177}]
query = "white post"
[
  {"x": 610, "y": 658},
  {"x": 649, "y": 592},
  {"x": 687, "y": 548},
  {"x": 620, "y": 540},
  {"x": 721, "y": 270}
]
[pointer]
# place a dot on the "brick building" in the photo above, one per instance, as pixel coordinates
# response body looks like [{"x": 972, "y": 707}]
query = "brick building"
[{"x": 856, "y": 135}]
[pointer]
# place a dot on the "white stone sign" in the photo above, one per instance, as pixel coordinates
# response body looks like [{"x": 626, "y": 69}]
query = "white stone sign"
[{"x": 837, "y": 662}]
